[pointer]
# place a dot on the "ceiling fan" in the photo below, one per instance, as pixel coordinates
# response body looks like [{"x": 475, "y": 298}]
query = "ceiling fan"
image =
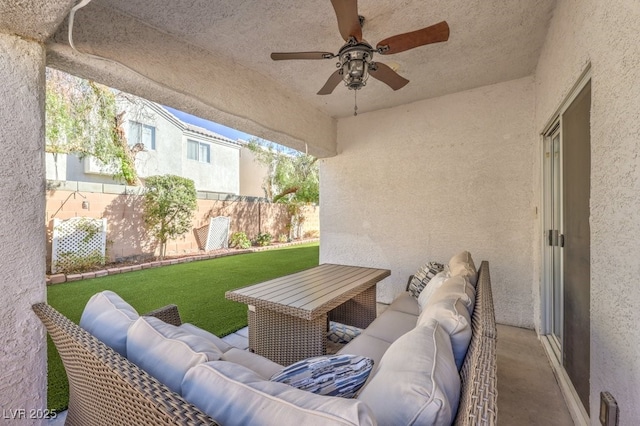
[{"x": 356, "y": 56}]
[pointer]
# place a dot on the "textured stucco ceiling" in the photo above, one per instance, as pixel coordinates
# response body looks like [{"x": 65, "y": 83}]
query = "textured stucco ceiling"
[
  {"x": 212, "y": 58},
  {"x": 491, "y": 41}
]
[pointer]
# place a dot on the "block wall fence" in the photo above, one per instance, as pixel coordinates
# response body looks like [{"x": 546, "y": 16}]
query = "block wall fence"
[{"x": 123, "y": 208}]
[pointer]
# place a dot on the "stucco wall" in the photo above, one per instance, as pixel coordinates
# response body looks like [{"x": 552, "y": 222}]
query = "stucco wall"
[
  {"x": 583, "y": 32},
  {"x": 165, "y": 159},
  {"x": 22, "y": 238},
  {"x": 423, "y": 181},
  {"x": 222, "y": 174},
  {"x": 252, "y": 174},
  {"x": 126, "y": 234}
]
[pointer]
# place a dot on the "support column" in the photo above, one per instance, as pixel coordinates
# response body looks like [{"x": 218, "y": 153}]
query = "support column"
[{"x": 23, "y": 350}]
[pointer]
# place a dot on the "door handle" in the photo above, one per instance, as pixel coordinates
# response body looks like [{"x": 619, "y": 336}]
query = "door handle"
[{"x": 554, "y": 238}]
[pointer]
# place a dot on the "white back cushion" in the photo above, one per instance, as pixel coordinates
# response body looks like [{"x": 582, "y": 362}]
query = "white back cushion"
[
  {"x": 462, "y": 264},
  {"x": 193, "y": 329},
  {"x": 454, "y": 318},
  {"x": 235, "y": 395},
  {"x": 166, "y": 351},
  {"x": 108, "y": 317},
  {"x": 417, "y": 382},
  {"x": 456, "y": 287},
  {"x": 435, "y": 283}
]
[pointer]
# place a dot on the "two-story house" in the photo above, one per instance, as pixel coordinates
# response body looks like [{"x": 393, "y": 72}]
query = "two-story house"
[{"x": 171, "y": 146}]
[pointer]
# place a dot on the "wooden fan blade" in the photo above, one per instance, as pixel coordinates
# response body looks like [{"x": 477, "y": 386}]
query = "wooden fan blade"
[
  {"x": 331, "y": 84},
  {"x": 385, "y": 74},
  {"x": 301, "y": 55},
  {"x": 401, "y": 42},
  {"x": 348, "y": 20}
]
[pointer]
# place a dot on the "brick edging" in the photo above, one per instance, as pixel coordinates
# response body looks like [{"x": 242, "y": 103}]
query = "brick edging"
[{"x": 62, "y": 278}]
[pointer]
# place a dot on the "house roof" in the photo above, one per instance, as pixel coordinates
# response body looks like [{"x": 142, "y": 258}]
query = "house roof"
[
  {"x": 189, "y": 127},
  {"x": 209, "y": 134}
]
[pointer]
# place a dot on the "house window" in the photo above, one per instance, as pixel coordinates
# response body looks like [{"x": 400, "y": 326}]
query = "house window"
[
  {"x": 198, "y": 151},
  {"x": 142, "y": 133}
]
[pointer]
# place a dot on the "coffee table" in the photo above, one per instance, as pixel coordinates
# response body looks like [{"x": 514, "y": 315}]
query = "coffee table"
[{"x": 288, "y": 316}]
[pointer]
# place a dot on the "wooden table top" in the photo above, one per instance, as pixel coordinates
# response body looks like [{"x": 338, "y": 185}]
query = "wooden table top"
[{"x": 312, "y": 292}]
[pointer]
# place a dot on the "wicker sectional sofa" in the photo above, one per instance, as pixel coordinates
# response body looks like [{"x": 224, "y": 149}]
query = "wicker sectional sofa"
[{"x": 107, "y": 388}]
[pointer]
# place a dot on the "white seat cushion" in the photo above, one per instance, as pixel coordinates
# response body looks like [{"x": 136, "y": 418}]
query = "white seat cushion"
[
  {"x": 108, "y": 317},
  {"x": 417, "y": 382},
  {"x": 235, "y": 395},
  {"x": 462, "y": 264},
  {"x": 368, "y": 346},
  {"x": 406, "y": 303},
  {"x": 261, "y": 365},
  {"x": 391, "y": 325},
  {"x": 166, "y": 351}
]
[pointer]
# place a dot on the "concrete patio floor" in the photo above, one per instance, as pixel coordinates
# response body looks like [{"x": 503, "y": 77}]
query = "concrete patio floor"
[{"x": 528, "y": 393}]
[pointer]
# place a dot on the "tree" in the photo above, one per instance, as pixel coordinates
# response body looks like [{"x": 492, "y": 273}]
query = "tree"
[
  {"x": 81, "y": 119},
  {"x": 169, "y": 203},
  {"x": 292, "y": 177}
]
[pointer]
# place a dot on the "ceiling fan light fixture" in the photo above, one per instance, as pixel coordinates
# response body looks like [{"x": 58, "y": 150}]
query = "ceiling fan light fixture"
[{"x": 355, "y": 61}]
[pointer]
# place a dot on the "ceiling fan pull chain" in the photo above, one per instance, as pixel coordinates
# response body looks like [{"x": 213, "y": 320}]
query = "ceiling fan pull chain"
[{"x": 355, "y": 103}]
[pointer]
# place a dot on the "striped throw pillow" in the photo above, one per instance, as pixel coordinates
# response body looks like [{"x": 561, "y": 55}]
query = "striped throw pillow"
[
  {"x": 331, "y": 375},
  {"x": 341, "y": 333},
  {"x": 423, "y": 276}
]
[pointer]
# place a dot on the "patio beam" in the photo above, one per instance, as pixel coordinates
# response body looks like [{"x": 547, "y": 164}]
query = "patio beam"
[{"x": 162, "y": 68}]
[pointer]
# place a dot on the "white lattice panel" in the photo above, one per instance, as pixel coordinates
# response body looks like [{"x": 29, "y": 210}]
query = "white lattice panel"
[
  {"x": 77, "y": 238},
  {"x": 218, "y": 235}
]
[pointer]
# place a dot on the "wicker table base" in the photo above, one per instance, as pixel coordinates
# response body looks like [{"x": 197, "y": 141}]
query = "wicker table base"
[{"x": 286, "y": 339}]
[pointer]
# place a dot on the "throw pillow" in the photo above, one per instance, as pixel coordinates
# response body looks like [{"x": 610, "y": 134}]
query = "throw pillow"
[
  {"x": 422, "y": 277},
  {"x": 342, "y": 333},
  {"x": 332, "y": 375}
]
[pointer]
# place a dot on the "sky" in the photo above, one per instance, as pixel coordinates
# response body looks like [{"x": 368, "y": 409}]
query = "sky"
[
  {"x": 220, "y": 129},
  {"x": 225, "y": 131}
]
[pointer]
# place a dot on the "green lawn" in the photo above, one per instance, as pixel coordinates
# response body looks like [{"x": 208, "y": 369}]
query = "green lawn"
[{"x": 197, "y": 288}]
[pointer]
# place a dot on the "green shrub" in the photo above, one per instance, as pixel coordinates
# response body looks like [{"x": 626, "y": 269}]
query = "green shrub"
[
  {"x": 74, "y": 263},
  {"x": 264, "y": 239},
  {"x": 240, "y": 240},
  {"x": 169, "y": 203},
  {"x": 283, "y": 238}
]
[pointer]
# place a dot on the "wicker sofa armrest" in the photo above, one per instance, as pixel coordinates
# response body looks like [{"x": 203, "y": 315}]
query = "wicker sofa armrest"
[
  {"x": 106, "y": 388},
  {"x": 409, "y": 282},
  {"x": 479, "y": 395},
  {"x": 168, "y": 314}
]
